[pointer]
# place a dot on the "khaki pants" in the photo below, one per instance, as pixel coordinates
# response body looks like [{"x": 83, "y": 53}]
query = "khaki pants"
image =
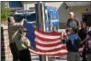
[
  {"x": 89, "y": 57},
  {"x": 73, "y": 56}
]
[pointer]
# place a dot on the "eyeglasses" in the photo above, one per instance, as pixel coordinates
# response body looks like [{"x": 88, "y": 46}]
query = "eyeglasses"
[{"x": 24, "y": 31}]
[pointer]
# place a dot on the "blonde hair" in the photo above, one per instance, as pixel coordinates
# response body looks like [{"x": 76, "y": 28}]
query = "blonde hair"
[{"x": 72, "y": 15}]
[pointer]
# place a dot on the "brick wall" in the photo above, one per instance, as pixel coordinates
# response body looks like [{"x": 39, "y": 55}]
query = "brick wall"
[
  {"x": 2, "y": 46},
  {"x": 5, "y": 50}
]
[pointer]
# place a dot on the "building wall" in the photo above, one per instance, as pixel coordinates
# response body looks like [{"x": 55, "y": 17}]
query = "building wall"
[
  {"x": 63, "y": 13},
  {"x": 78, "y": 11},
  {"x": 27, "y": 5}
]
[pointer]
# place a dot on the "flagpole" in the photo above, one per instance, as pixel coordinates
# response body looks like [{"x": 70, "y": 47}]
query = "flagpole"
[
  {"x": 40, "y": 20},
  {"x": 43, "y": 24},
  {"x": 44, "y": 28}
]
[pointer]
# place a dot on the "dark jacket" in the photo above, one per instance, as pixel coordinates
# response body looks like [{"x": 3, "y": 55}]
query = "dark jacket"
[{"x": 82, "y": 34}]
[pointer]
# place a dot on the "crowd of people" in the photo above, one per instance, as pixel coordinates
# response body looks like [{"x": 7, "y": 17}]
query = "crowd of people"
[{"x": 75, "y": 39}]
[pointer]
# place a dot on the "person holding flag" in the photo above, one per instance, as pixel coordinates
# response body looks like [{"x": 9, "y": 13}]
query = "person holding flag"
[
  {"x": 73, "y": 43},
  {"x": 12, "y": 30},
  {"x": 23, "y": 45}
]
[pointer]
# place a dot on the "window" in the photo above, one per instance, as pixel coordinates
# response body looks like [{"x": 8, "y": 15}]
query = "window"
[
  {"x": 18, "y": 18},
  {"x": 29, "y": 18},
  {"x": 15, "y": 4}
]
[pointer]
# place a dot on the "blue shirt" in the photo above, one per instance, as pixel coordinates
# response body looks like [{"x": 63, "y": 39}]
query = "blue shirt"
[{"x": 73, "y": 42}]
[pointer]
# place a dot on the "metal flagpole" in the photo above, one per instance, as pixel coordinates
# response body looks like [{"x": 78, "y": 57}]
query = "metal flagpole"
[
  {"x": 90, "y": 6},
  {"x": 44, "y": 28},
  {"x": 40, "y": 20}
]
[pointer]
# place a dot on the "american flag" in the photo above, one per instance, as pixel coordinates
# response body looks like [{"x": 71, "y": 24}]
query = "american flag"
[{"x": 48, "y": 44}]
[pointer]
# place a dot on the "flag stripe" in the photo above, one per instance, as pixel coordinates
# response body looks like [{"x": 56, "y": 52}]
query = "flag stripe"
[
  {"x": 47, "y": 45},
  {"x": 47, "y": 36},
  {"x": 46, "y": 39},
  {"x": 53, "y": 50},
  {"x": 48, "y": 48},
  {"x": 46, "y": 42}
]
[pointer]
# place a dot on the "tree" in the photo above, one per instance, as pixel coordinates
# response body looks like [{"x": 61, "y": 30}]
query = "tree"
[{"x": 5, "y": 12}]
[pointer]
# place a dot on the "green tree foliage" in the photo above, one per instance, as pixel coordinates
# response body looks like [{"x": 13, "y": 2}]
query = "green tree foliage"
[{"x": 5, "y": 12}]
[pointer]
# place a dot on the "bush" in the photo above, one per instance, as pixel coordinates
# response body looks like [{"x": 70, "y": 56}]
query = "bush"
[{"x": 5, "y": 12}]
